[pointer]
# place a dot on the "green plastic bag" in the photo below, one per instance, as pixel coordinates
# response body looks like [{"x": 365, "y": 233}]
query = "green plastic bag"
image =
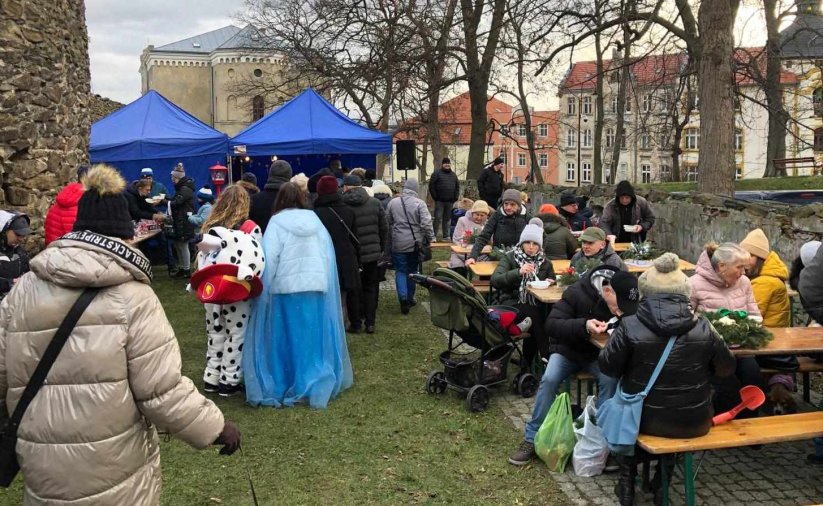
[{"x": 554, "y": 442}]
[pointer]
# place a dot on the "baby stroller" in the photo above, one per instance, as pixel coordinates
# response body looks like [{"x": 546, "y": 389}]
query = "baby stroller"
[{"x": 457, "y": 307}]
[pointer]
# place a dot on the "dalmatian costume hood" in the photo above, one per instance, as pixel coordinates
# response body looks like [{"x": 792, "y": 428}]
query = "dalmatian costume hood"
[{"x": 230, "y": 265}]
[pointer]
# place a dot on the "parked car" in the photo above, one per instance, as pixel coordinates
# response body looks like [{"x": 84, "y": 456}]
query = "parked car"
[{"x": 791, "y": 197}]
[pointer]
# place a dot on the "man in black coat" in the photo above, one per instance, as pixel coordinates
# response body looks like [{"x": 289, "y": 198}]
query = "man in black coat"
[
  {"x": 591, "y": 306},
  {"x": 14, "y": 259},
  {"x": 569, "y": 208},
  {"x": 504, "y": 226},
  {"x": 444, "y": 190},
  {"x": 372, "y": 232},
  {"x": 490, "y": 183},
  {"x": 262, "y": 203},
  {"x": 181, "y": 205},
  {"x": 136, "y": 195}
]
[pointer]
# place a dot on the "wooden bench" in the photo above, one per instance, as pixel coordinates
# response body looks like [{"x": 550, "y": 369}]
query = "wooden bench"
[
  {"x": 581, "y": 377},
  {"x": 442, "y": 263},
  {"x": 806, "y": 162},
  {"x": 734, "y": 434},
  {"x": 806, "y": 366}
]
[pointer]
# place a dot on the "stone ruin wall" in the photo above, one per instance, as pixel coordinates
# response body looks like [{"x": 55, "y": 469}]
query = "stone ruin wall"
[
  {"x": 45, "y": 93},
  {"x": 686, "y": 222}
]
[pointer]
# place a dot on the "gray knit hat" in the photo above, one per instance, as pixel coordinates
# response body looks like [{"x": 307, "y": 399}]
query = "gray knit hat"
[
  {"x": 665, "y": 276},
  {"x": 411, "y": 184},
  {"x": 532, "y": 232},
  {"x": 511, "y": 195}
]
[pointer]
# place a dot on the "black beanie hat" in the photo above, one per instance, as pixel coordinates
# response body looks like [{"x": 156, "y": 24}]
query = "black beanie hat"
[{"x": 103, "y": 209}]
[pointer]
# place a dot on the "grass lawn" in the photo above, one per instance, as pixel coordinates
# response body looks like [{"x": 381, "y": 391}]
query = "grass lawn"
[{"x": 384, "y": 441}]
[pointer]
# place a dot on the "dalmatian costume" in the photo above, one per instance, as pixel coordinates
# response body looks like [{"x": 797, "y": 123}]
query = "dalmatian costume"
[{"x": 226, "y": 323}]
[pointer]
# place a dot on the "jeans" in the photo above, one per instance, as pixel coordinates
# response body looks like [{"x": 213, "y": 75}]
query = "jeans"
[
  {"x": 181, "y": 248},
  {"x": 558, "y": 369},
  {"x": 405, "y": 264},
  {"x": 443, "y": 215}
]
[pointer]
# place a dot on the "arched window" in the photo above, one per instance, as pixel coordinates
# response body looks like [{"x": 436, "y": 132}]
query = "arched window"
[
  {"x": 231, "y": 108},
  {"x": 258, "y": 108}
]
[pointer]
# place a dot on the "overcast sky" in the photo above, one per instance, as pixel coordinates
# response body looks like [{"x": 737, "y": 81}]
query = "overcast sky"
[{"x": 119, "y": 30}]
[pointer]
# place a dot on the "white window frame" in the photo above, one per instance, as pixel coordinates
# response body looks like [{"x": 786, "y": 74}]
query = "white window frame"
[
  {"x": 691, "y": 172},
  {"x": 586, "y": 140},
  {"x": 571, "y": 138},
  {"x": 571, "y": 171},
  {"x": 738, "y": 172},
  {"x": 609, "y": 137},
  {"x": 692, "y": 139},
  {"x": 521, "y": 159},
  {"x": 543, "y": 159},
  {"x": 571, "y": 106},
  {"x": 738, "y": 139},
  {"x": 645, "y": 173},
  {"x": 543, "y": 130},
  {"x": 613, "y": 108},
  {"x": 665, "y": 173},
  {"x": 586, "y": 172},
  {"x": 647, "y": 102},
  {"x": 645, "y": 141},
  {"x": 521, "y": 129},
  {"x": 587, "y": 105}
]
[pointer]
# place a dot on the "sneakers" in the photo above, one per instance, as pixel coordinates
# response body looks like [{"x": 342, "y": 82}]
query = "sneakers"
[
  {"x": 230, "y": 390},
  {"x": 525, "y": 325},
  {"x": 182, "y": 273},
  {"x": 523, "y": 455},
  {"x": 210, "y": 388}
]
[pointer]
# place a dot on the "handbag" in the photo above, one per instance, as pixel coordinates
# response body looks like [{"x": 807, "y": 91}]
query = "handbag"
[
  {"x": 9, "y": 467},
  {"x": 422, "y": 248},
  {"x": 619, "y": 417}
]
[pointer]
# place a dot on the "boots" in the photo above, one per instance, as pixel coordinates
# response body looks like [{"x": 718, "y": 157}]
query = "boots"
[{"x": 624, "y": 489}]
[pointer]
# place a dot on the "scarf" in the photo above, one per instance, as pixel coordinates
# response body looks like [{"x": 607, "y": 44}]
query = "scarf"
[{"x": 521, "y": 258}]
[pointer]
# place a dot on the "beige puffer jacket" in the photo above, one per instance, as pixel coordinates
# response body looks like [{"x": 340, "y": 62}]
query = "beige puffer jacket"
[{"x": 89, "y": 436}]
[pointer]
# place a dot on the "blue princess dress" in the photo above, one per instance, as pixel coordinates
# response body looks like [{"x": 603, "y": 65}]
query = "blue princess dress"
[{"x": 295, "y": 349}]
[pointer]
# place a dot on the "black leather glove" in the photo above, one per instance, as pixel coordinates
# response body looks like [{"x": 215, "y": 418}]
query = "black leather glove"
[{"x": 229, "y": 438}]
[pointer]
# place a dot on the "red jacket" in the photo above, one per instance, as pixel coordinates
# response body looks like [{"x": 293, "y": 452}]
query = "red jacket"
[{"x": 62, "y": 215}]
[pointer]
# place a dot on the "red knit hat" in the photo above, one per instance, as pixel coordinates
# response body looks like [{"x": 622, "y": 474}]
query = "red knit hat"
[{"x": 327, "y": 185}]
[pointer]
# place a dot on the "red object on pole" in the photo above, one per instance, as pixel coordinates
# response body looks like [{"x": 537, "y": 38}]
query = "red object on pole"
[{"x": 219, "y": 175}]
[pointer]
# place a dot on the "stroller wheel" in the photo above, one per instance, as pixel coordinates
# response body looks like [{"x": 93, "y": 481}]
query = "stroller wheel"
[
  {"x": 477, "y": 399},
  {"x": 436, "y": 382},
  {"x": 527, "y": 385},
  {"x": 516, "y": 384}
]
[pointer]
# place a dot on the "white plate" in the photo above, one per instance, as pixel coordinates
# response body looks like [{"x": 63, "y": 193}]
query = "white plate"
[
  {"x": 150, "y": 200},
  {"x": 541, "y": 285}
]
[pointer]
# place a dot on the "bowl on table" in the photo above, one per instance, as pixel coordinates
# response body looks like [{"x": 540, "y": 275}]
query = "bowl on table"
[{"x": 540, "y": 284}]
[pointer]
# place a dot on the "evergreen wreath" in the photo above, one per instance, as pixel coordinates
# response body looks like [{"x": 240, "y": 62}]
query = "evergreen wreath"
[
  {"x": 640, "y": 251},
  {"x": 737, "y": 329},
  {"x": 571, "y": 275}
]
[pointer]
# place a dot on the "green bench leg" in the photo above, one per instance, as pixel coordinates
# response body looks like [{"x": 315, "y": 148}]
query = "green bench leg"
[
  {"x": 688, "y": 478},
  {"x": 664, "y": 478}
]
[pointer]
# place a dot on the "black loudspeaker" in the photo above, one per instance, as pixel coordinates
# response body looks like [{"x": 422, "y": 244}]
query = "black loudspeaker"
[{"x": 406, "y": 155}]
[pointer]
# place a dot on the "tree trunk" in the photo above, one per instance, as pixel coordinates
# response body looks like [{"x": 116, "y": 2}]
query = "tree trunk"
[
  {"x": 715, "y": 74},
  {"x": 778, "y": 117},
  {"x": 620, "y": 128},
  {"x": 478, "y": 70}
]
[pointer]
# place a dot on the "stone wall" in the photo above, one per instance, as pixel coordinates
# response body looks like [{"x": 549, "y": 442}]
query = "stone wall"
[
  {"x": 44, "y": 92},
  {"x": 686, "y": 222},
  {"x": 100, "y": 107}
]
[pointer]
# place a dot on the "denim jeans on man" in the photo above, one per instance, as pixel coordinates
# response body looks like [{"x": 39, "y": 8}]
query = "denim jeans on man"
[
  {"x": 443, "y": 218},
  {"x": 558, "y": 369},
  {"x": 404, "y": 264}
]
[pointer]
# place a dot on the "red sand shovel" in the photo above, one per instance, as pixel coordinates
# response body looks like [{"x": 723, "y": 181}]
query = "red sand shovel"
[{"x": 751, "y": 397}]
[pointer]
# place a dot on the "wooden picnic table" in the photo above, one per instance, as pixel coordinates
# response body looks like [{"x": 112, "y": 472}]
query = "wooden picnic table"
[
  {"x": 466, "y": 250},
  {"x": 483, "y": 269},
  {"x": 787, "y": 341},
  {"x": 548, "y": 295},
  {"x": 440, "y": 244},
  {"x": 143, "y": 237},
  {"x": 562, "y": 265}
]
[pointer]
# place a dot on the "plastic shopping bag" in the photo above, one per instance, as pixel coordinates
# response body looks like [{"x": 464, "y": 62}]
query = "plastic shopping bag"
[
  {"x": 554, "y": 442},
  {"x": 591, "y": 449}
]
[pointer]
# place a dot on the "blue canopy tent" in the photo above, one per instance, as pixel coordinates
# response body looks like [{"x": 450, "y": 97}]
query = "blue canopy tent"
[
  {"x": 153, "y": 132},
  {"x": 307, "y": 131}
]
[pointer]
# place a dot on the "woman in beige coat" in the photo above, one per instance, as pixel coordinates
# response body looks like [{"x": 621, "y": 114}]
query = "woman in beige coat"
[{"x": 89, "y": 436}]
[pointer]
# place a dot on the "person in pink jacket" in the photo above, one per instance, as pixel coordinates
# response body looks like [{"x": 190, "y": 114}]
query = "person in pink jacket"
[
  {"x": 472, "y": 222},
  {"x": 720, "y": 282}
]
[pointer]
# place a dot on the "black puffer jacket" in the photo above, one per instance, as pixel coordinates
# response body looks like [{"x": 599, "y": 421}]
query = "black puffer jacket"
[
  {"x": 139, "y": 209},
  {"x": 502, "y": 229},
  {"x": 345, "y": 247},
  {"x": 566, "y": 324},
  {"x": 490, "y": 186},
  {"x": 370, "y": 220},
  {"x": 680, "y": 403},
  {"x": 262, "y": 203},
  {"x": 558, "y": 241},
  {"x": 443, "y": 186},
  {"x": 181, "y": 204}
]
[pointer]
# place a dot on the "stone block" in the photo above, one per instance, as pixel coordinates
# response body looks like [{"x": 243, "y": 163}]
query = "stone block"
[{"x": 17, "y": 196}]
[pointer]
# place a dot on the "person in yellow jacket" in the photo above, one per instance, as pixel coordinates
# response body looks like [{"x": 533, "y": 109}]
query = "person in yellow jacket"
[{"x": 768, "y": 274}]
